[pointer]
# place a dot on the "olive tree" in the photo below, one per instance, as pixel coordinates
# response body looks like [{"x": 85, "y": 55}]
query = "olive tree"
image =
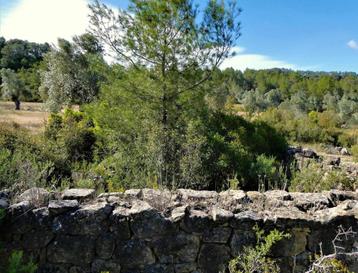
[
  {"x": 70, "y": 77},
  {"x": 12, "y": 87}
]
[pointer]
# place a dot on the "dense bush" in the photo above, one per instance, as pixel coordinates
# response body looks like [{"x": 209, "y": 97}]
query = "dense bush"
[
  {"x": 27, "y": 160},
  {"x": 233, "y": 147},
  {"x": 22, "y": 161},
  {"x": 313, "y": 127},
  {"x": 314, "y": 178},
  {"x": 72, "y": 134},
  {"x": 257, "y": 258}
]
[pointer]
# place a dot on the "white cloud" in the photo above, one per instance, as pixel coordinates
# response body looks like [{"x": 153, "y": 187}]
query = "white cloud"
[
  {"x": 45, "y": 20},
  {"x": 238, "y": 49},
  {"x": 352, "y": 44},
  {"x": 255, "y": 61}
]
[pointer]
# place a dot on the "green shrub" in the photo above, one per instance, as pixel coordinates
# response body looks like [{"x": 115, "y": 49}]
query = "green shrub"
[
  {"x": 72, "y": 135},
  {"x": 256, "y": 259},
  {"x": 348, "y": 138},
  {"x": 23, "y": 163},
  {"x": 315, "y": 179},
  {"x": 319, "y": 127},
  {"x": 16, "y": 264},
  {"x": 232, "y": 147},
  {"x": 53, "y": 126}
]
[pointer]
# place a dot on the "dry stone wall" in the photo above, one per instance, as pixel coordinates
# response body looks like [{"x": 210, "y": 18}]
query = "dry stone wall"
[{"x": 185, "y": 231}]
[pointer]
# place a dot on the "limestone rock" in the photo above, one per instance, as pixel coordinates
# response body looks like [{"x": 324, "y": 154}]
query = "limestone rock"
[
  {"x": 36, "y": 196},
  {"x": 178, "y": 214},
  {"x": 57, "y": 207},
  {"x": 158, "y": 199},
  {"x": 346, "y": 208},
  {"x": 232, "y": 200},
  {"x": 133, "y": 193},
  {"x": 78, "y": 194},
  {"x": 179, "y": 248},
  {"x": 134, "y": 254},
  {"x": 36, "y": 240},
  {"x": 185, "y": 267},
  {"x": 151, "y": 223},
  {"x": 240, "y": 239},
  {"x": 149, "y": 231},
  {"x": 310, "y": 201},
  {"x": 196, "y": 221},
  {"x": 119, "y": 224},
  {"x": 87, "y": 220},
  {"x": 213, "y": 258},
  {"x": 105, "y": 245},
  {"x": 217, "y": 235},
  {"x": 193, "y": 197},
  {"x": 76, "y": 250},
  {"x": 308, "y": 153},
  {"x": 220, "y": 215},
  {"x": 278, "y": 194},
  {"x": 292, "y": 246}
]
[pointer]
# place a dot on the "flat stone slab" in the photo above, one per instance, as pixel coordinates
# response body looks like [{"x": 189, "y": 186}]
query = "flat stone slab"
[
  {"x": 57, "y": 207},
  {"x": 36, "y": 196},
  {"x": 78, "y": 194}
]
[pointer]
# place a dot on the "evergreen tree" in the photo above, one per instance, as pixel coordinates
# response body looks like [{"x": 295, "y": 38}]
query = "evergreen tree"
[{"x": 172, "y": 50}]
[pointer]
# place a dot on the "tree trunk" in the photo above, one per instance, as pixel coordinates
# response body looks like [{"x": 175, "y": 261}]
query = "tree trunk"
[{"x": 17, "y": 104}]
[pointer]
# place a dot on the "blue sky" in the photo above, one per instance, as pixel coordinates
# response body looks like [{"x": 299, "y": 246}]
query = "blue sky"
[{"x": 319, "y": 35}]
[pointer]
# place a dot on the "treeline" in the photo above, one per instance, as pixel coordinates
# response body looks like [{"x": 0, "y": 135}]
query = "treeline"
[
  {"x": 301, "y": 91},
  {"x": 21, "y": 62},
  {"x": 303, "y": 106}
]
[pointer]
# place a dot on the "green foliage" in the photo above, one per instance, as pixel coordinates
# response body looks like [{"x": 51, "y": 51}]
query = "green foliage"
[
  {"x": 16, "y": 264},
  {"x": 331, "y": 266},
  {"x": 314, "y": 178},
  {"x": 162, "y": 42},
  {"x": 32, "y": 80},
  {"x": 233, "y": 145},
  {"x": 348, "y": 138},
  {"x": 72, "y": 134},
  {"x": 13, "y": 88},
  {"x": 71, "y": 74},
  {"x": 297, "y": 92},
  {"x": 23, "y": 59},
  {"x": 314, "y": 127},
  {"x": 23, "y": 163},
  {"x": 256, "y": 259},
  {"x": 354, "y": 151},
  {"x": 17, "y": 54}
]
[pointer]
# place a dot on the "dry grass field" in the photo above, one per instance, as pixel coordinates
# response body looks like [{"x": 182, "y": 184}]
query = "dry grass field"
[{"x": 31, "y": 116}]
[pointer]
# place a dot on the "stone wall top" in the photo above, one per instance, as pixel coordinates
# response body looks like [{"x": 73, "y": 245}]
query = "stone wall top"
[{"x": 268, "y": 206}]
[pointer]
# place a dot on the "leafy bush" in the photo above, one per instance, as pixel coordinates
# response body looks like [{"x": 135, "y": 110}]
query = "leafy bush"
[
  {"x": 314, "y": 178},
  {"x": 23, "y": 163},
  {"x": 319, "y": 127},
  {"x": 16, "y": 264},
  {"x": 72, "y": 134},
  {"x": 256, "y": 259},
  {"x": 232, "y": 147},
  {"x": 348, "y": 138}
]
